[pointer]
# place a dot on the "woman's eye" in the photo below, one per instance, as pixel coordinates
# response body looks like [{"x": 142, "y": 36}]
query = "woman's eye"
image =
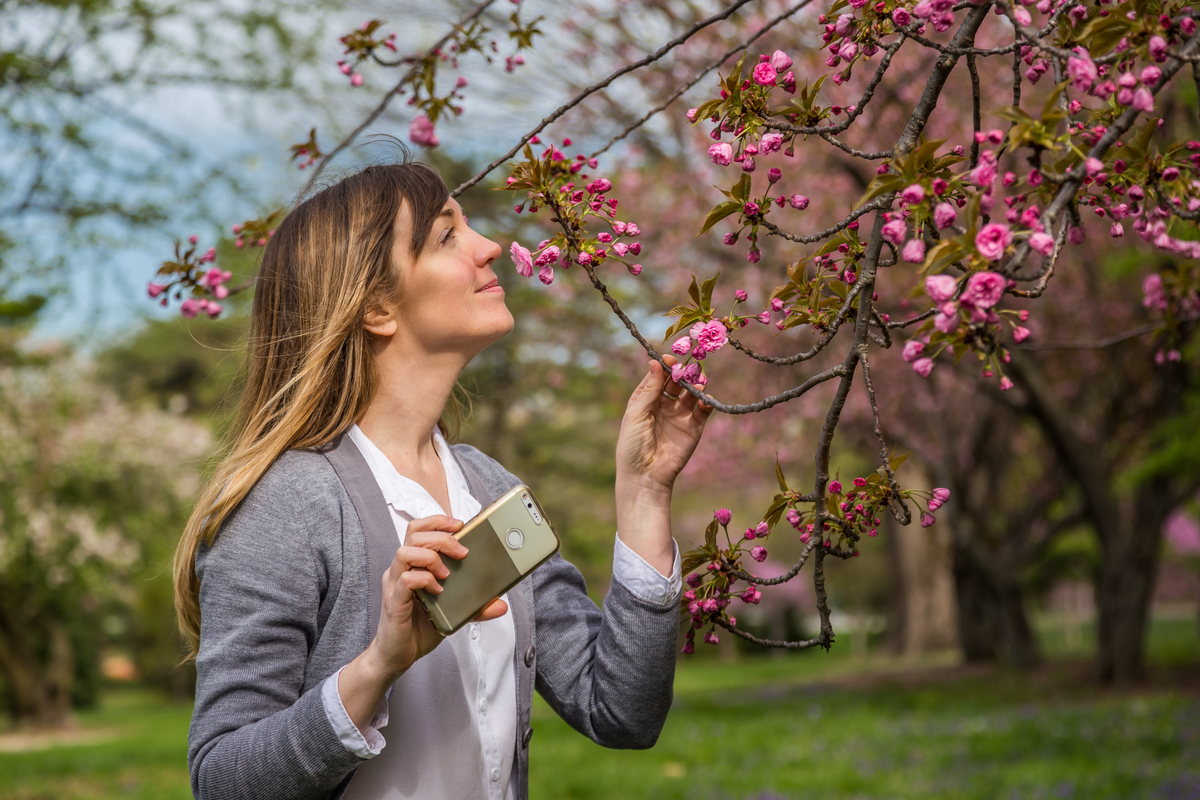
[{"x": 449, "y": 235}]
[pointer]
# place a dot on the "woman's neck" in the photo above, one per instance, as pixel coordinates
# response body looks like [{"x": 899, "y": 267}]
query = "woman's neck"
[{"x": 407, "y": 405}]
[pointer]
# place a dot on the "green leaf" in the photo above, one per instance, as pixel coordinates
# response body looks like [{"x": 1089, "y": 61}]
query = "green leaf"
[
  {"x": 1050, "y": 107},
  {"x": 741, "y": 189},
  {"x": 710, "y": 534},
  {"x": 694, "y": 291},
  {"x": 720, "y": 212},
  {"x": 896, "y": 461},
  {"x": 691, "y": 560},
  {"x": 881, "y": 185},
  {"x": 706, "y": 290}
]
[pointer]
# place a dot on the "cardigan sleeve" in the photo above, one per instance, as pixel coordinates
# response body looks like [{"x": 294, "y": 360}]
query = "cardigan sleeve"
[
  {"x": 608, "y": 672},
  {"x": 256, "y": 731}
]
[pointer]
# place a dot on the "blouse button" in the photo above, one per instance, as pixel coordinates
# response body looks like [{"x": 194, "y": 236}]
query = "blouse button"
[
  {"x": 495, "y": 774},
  {"x": 474, "y": 631},
  {"x": 482, "y": 704},
  {"x": 525, "y": 739},
  {"x": 529, "y": 654}
]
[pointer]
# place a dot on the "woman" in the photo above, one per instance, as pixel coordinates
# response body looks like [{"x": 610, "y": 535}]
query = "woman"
[{"x": 372, "y": 297}]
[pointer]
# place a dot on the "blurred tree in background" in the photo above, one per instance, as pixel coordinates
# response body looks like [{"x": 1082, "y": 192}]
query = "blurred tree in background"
[{"x": 92, "y": 494}]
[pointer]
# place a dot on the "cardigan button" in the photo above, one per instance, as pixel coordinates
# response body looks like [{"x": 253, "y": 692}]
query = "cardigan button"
[
  {"x": 525, "y": 739},
  {"x": 529, "y": 654}
]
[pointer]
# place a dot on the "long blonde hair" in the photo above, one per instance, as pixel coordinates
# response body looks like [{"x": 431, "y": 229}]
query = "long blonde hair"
[{"x": 310, "y": 371}]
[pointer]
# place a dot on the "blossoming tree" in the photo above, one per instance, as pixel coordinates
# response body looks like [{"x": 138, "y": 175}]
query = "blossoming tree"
[{"x": 963, "y": 228}]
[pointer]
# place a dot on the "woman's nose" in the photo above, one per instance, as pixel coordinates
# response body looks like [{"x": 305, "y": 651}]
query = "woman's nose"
[{"x": 488, "y": 251}]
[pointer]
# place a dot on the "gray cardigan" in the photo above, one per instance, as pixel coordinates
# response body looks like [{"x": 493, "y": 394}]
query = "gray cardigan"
[{"x": 283, "y": 600}]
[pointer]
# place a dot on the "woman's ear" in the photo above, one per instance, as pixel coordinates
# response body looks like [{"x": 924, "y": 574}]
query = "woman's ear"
[{"x": 380, "y": 321}]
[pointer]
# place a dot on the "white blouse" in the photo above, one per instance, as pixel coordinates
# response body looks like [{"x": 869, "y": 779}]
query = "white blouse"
[{"x": 469, "y": 675}]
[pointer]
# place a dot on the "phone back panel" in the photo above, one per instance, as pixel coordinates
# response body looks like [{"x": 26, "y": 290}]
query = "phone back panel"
[{"x": 493, "y": 565}]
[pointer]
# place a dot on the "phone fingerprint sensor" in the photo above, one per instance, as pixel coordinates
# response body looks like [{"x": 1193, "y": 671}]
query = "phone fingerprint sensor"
[{"x": 514, "y": 538}]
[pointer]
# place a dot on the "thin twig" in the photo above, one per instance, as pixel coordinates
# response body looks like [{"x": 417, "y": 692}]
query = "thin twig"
[
  {"x": 595, "y": 87},
  {"x": 714, "y": 65},
  {"x": 391, "y": 95},
  {"x": 1109, "y": 341}
]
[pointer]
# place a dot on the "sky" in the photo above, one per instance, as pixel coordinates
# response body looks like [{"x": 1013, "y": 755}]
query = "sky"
[{"x": 103, "y": 294}]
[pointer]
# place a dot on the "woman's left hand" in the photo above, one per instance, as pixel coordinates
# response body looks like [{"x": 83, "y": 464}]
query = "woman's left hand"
[{"x": 658, "y": 433}]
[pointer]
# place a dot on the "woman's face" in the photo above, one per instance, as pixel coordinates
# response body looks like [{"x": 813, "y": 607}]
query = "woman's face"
[{"x": 450, "y": 298}]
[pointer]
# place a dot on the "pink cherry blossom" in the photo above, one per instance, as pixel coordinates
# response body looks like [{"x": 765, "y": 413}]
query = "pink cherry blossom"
[
  {"x": 927, "y": 520},
  {"x": 1082, "y": 71},
  {"x": 1158, "y": 48},
  {"x": 711, "y": 335},
  {"x": 912, "y": 350},
  {"x": 682, "y": 346},
  {"x": 895, "y": 231},
  {"x": 1020, "y": 334},
  {"x": 944, "y": 215},
  {"x": 1150, "y": 75},
  {"x": 914, "y": 251},
  {"x": 764, "y": 74},
  {"x": 759, "y": 553},
  {"x": 723, "y": 515},
  {"x": 1042, "y": 243},
  {"x": 770, "y": 143},
  {"x": 155, "y": 289},
  {"x": 923, "y": 366},
  {"x": 946, "y": 322},
  {"x": 190, "y": 308},
  {"x": 941, "y": 288},
  {"x": 983, "y": 290},
  {"x": 522, "y": 258},
  {"x": 422, "y": 132},
  {"x": 1005, "y": 384},
  {"x": 983, "y": 175},
  {"x": 901, "y": 17},
  {"x": 780, "y": 61},
  {"x": 721, "y": 153},
  {"x": 798, "y": 201},
  {"x": 1143, "y": 100},
  {"x": 992, "y": 239},
  {"x": 913, "y": 194}
]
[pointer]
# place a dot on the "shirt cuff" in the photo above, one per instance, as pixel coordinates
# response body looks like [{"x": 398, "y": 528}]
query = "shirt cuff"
[
  {"x": 644, "y": 581},
  {"x": 364, "y": 744}
]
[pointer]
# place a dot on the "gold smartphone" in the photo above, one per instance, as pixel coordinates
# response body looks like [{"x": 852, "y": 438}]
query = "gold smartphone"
[{"x": 507, "y": 540}]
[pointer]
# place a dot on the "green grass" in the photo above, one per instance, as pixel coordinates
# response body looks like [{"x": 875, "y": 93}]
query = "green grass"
[
  {"x": 809, "y": 725},
  {"x": 136, "y": 748}
]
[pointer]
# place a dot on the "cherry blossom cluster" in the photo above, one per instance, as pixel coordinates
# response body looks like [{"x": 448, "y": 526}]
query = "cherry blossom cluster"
[
  {"x": 360, "y": 46},
  {"x": 190, "y": 272},
  {"x": 712, "y": 571},
  {"x": 558, "y": 182},
  {"x": 194, "y": 275}
]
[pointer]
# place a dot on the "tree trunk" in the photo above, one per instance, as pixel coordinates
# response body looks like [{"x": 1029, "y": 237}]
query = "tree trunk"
[
  {"x": 922, "y": 564},
  {"x": 1128, "y": 567},
  {"x": 977, "y": 618},
  {"x": 39, "y": 694}
]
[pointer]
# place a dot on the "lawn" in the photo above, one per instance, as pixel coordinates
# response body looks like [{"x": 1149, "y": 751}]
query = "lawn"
[{"x": 797, "y": 726}]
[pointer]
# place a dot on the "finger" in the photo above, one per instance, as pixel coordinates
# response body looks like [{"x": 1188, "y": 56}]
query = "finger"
[
  {"x": 437, "y": 522},
  {"x": 437, "y": 541},
  {"x": 420, "y": 579},
  {"x": 665, "y": 382},
  {"x": 493, "y": 610},
  {"x": 409, "y": 558}
]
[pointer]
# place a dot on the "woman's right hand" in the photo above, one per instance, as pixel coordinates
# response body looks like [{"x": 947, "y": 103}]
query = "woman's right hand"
[{"x": 405, "y": 632}]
